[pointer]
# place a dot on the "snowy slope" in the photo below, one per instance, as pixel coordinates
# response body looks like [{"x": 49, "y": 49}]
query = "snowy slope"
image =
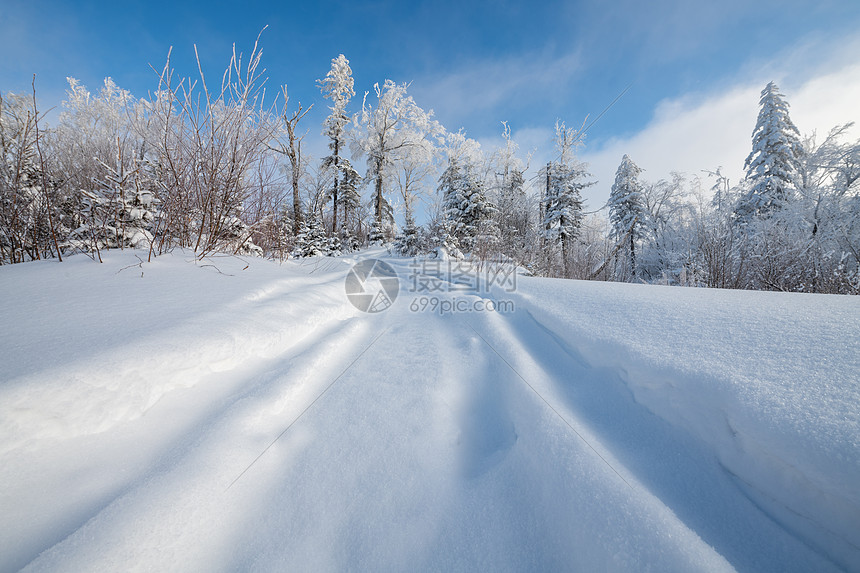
[{"x": 242, "y": 415}]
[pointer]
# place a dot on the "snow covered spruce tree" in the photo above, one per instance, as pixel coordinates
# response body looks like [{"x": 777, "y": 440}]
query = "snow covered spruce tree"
[
  {"x": 311, "y": 240},
  {"x": 384, "y": 134},
  {"x": 467, "y": 209},
  {"x": 338, "y": 87},
  {"x": 772, "y": 165},
  {"x": 119, "y": 208},
  {"x": 563, "y": 194},
  {"x": 627, "y": 208}
]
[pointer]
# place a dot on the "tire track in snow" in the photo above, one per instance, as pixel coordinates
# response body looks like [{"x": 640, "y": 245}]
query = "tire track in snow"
[{"x": 245, "y": 395}]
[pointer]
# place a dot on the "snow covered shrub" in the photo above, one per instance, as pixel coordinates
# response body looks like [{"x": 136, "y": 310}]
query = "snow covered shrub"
[
  {"x": 312, "y": 240},
  {"x": 32, "y": 206},
  {"x": 408, "y": 242}
]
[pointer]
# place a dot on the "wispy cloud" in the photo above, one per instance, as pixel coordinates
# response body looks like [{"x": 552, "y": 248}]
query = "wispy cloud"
[{"x": 482, "y": 93}]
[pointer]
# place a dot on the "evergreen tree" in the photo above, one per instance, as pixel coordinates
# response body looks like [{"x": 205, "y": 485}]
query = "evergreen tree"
[
  {"x": 465, "y": 204},
  {"x": 408, "y": 242},
  {"x": 626, "y": 207},
  {"x": 311, "y": 240},
  {"x": 563, "y": 200},
  {"x": 349, "y": 200},
  {"x": 563, "y": 204},
  {"x": 772, "y": 166}
]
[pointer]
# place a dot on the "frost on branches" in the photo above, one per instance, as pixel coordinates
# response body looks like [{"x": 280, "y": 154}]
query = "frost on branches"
[
  {"x": 627, "y": 207},
  {"x": 772, "y": 165},
  {"x": 565, "y": 180},
  {"x": 384, "y": 135},
  {"x": 312, "y": 241},
  {"x": 338, "y": 87},
  {"x": 467, "y": 209},
  {"x": 29, "y": 204},
  {"x": 512, "y": 215}
]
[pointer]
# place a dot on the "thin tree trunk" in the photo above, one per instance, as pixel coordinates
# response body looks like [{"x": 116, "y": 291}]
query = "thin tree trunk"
[
  {"x": 43, "y": 169},
  {"x": 632, "y": 257},
  {"x": 378, "y": 193},
  {"x": 296, "y": 171},
  {"x": 334, "y": 191}
]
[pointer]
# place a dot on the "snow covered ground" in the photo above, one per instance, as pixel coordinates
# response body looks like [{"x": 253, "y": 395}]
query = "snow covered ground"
[{"x": 243, "y": 415}]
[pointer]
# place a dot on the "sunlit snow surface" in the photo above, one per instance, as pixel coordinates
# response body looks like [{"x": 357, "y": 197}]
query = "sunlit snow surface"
[{"x": 598, "y": 427}]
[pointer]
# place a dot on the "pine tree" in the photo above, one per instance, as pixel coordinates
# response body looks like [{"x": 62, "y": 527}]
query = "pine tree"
[
  {"x": 349, "y": 200},
  {"x": 311, "y": 240},
  {"x": 563, "y": 204},
  {"x": 626, "y": 207},
  {"x": 408, "y": 242},
  {"x": 466, "y": 206},
  {"x": 772, "y": 166},
  {"x": 563, "y": 200}
]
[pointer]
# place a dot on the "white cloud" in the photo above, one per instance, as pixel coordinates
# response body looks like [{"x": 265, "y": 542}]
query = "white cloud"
[
  {"x": 482, "y": 87},
  {"x": 694, "y": 133},
  {"x": 686, "y": 136}
]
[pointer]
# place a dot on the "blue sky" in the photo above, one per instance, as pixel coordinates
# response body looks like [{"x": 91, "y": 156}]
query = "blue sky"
[{"x": 474, "y": 63}]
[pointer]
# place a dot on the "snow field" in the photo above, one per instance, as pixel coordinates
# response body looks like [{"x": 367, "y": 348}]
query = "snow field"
[{"x": 251, "y": 419}]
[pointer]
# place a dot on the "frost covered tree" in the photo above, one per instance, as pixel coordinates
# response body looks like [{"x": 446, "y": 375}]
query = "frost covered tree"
[
  {"x": 100, "y": 143},
  {"x": 290, "y": 146},
  {"x": 311, "y": 240},
  {"x": 512, "y": 209},
  {"x": 467, "y": 209},
  {"x": 94, "y": 129},
  {"x": 627, "y": 208},
  {"x": 349, "y": 201},
  {"x": 19, "y": 180},
  {"x": 772, "y": 165},
  {"x": 666, "y": 255},
  {"x": 30, "y": 209},
  {"x": 209, "y": 141},
  {"x": 416, "y": 164},
  {"x": 384, "y": 134},
  {"x": 338, "y": 87},
  {"x": 565, "y": 179},
  {"x": 118, "y": 209}
]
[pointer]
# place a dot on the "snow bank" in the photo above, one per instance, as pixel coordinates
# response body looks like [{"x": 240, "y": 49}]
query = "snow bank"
[{"x": 770, "y": 381}]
